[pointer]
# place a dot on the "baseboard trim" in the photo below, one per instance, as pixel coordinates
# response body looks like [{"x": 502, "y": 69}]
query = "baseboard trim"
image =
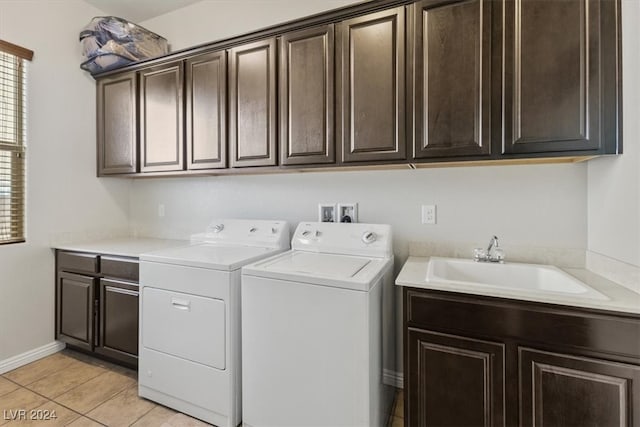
[
  {"x": 393, "y": 378},
  {"x": 30, "y": 356}
]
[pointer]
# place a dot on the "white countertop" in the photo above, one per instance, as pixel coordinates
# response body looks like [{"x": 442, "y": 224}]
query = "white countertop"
[
  {"x": 128, "y": 247},
  {"x": 621, "y": 299}
]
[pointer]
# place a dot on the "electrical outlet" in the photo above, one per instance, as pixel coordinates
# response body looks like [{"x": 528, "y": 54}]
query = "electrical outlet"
[
  {"x": 347, "y": 212},
  {"x": 429, "y": 214},
  {"x": 161, "y": 210}
]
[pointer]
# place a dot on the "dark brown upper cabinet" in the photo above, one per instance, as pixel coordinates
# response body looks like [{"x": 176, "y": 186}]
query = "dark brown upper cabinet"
[
  {"x": 206, "y": 127},
  {"x": 560, "y": 76},
  {"x": 307, "y": 96},
  {"x": 161, "y": 118},
  {"x": 450, "y": 83},
  {"x": 252, "y": 104},
  {"x": 371, "y": 86},
  {"x": 117, "y": 100}
]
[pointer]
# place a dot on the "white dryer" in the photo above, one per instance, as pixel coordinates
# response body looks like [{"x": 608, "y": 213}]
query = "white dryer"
[
  {"x": 190, "y": 318},
  {"x": 312, "y": 329}
]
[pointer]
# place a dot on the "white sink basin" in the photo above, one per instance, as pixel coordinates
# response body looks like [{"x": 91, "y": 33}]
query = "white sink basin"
[{"x": 529, "y": 278}]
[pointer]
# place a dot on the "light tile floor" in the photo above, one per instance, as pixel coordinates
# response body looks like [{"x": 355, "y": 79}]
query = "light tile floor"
[{"x": 82, "y": 391}]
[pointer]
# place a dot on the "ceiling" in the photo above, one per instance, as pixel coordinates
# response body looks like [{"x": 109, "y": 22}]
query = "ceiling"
[{"x": 138, "y": 10}]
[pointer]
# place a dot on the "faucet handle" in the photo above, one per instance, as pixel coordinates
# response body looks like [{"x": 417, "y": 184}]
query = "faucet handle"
[
  {"x": 479, "y": 254},
  {"x": 497, "y": 255}
]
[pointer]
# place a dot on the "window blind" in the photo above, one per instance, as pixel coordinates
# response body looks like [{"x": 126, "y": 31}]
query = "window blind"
[{"x": 12, "y": 147}]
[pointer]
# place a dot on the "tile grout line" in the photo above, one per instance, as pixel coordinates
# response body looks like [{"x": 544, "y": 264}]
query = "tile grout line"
[
  {"x": 143, "y": 415},
  {"x": 52, "y": 400},
  {"x": 66, "y": 391}
]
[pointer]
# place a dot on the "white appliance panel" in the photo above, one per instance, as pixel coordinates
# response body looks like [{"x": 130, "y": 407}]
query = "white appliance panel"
[
  {"x": 190, "y": 280},
  {"x": 370, "y": 240},
  {"x": 322, "y": 265},
  {"x": 184, "y": 325},
  {"x": 167, "y": 377},
  {"x": 300, "y": 371},
  {"x": 209, "y": 256}
]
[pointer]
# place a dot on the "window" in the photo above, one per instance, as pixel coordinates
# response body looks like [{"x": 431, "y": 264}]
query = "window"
[{"x": 13, "y": 62}]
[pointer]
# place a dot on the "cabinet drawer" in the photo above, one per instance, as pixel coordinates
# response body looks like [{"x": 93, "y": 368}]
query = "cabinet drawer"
[
  {"x": 78, "y": 262},
  {"x": 121, "y": 268}
]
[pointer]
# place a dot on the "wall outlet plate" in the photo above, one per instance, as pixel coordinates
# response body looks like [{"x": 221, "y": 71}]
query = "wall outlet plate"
[
  {"x": 429, "y": 214},
  {"x": 347, "y": 212},
  {"x": 327, "y": 212}
]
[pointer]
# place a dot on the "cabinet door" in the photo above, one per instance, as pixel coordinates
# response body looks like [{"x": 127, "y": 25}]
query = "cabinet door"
[
  {"x": 118, "y": 328},
  {"x": 307, "y": 96},
  {"x": 252, "y": 104},
  {"x": 562, "y": 390},
  {"x": 206, "y": 111},
  {"x": 451, "y": 55},
  {"x": 453, "y": 381},
  {"x": 371, "y": 70},
  {"x": 161, "y": 118},
  {"x": 75, "y": 309},
  {"x": 117, "y": 99},
  {"x": 554, "y": 86}
]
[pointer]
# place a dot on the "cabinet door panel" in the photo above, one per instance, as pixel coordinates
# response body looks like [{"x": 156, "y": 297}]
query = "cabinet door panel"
[
  {"x": 452, "y": 78},
  {"x": 371, "y": 86},
  {"x": 118, "y": 320},
  {"x": 253, "y": 104},
  {"x": 117, "y": 124},
  {"x": 551, "y": 76},
  {"x": 454, "y": 381},
  {"x": 206, "y": 111},
  {"x": 161, "y": 118},
  {"x": 76, "y": 309},
  {"x": 562, "y": 390},
  {"x": 307, "y": 97}
]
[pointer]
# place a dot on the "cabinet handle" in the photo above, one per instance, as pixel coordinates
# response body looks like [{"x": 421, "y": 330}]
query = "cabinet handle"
[
  {"x": 181, "y": 304},
  {"x": 122, "y": 291}
]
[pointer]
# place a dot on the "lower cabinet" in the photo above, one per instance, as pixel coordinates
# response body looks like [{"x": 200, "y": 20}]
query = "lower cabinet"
[
  {"x": 562, "y": 390},
  {"x": 478, "y": 361},
  {"x": 76, "y": 309},
  {"x": 97, "y": 304},
  {"x": 456, "y": 380},
  {"x": 118, "y": 323}
]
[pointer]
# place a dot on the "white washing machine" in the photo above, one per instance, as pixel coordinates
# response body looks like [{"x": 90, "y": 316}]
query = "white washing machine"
[
  {"x": 312, "y": 329},
  {"x": 190, "y": 318}
]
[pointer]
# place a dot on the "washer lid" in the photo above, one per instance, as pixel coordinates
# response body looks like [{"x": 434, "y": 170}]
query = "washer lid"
[
  {"x": 339, "y": 271},
  {"x": 214, "y": 257},
  {"x": 323, "y": 265}
]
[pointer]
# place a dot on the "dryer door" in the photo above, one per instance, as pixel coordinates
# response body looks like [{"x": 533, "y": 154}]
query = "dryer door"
[{"x": 184, "y": 325}]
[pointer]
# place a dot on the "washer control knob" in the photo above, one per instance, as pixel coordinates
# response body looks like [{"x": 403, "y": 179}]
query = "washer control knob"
[
  {"x": 274, "y": 230},
  {"x": 252, "y": 230},
  {"x": 306, "y": 233},
  {"x": 369, "y": 237},
  {"x": 218, "y": 228},
  {"x": 318, "y": 233}
]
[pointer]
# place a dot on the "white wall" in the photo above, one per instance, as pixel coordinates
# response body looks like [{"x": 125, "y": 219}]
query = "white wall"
[
  {"x": 540, "y": 205},
  {"x": 64, "y": 198},
  {"x": 614, "y": 182},
  {"x": 211, "y": 20}
]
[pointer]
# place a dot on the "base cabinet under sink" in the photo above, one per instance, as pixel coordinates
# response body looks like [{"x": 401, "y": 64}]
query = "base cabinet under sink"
[{"x": 479, "y": 361}]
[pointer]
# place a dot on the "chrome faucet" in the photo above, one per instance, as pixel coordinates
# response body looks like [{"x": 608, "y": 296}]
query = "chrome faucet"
[{"x": 493, "y": 253}]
